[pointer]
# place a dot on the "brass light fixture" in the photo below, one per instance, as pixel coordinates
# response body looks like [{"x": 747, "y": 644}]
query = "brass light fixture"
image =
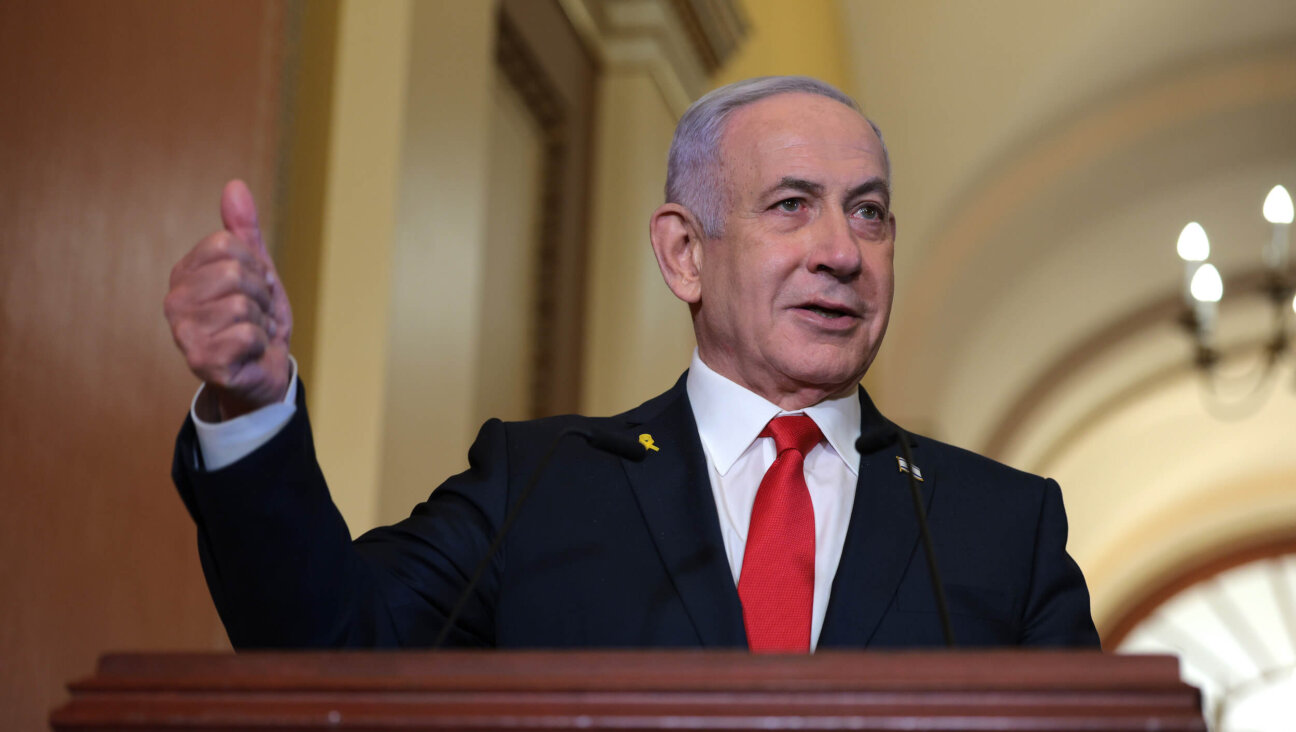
[{"x": 1204, "y": 288}]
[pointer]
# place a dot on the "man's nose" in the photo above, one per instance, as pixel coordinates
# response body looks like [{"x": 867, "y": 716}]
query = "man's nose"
[{"x": 835, "y": 249}]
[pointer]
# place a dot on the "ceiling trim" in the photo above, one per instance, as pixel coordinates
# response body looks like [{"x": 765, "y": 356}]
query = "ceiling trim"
[{"x": 680, "y": 43}]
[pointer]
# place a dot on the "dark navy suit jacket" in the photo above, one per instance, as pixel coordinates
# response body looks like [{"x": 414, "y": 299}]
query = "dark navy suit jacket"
[{"x": 612, "y": 553}]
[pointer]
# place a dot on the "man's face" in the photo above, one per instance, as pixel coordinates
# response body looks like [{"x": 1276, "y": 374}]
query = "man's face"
[{"x": 796, "y": 292}]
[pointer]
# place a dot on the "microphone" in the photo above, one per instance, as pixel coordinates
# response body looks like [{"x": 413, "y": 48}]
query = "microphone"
[
  {"x": 617, "y": 443},
  {"x": 607, "y": 441},
  {"x": 871, "y": 441},
  {"x": 875, "y": 437}
]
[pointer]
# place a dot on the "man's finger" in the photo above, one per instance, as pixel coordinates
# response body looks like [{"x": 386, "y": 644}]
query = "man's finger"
[
  {"x": 227, "y": 311},
  {"x": 229, "y": 350},
  {"x": 239, "y": 214},
  {"x": 216, "y": 247},
  {"x": 219, "y": 279}
]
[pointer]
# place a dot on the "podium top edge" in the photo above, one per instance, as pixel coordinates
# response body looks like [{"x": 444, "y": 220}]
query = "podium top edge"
[{"x": 650, "y": 670}]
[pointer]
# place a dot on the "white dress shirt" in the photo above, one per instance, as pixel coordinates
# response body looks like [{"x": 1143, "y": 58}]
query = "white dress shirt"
[
  {"x": 225, "y": 443},
  {"x": 729, "y": 418}
]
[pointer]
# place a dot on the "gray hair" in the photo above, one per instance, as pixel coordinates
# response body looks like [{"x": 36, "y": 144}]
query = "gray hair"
[{"x": 693, "y": 176}]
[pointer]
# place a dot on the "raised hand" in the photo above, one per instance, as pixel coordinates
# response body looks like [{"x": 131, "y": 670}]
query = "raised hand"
[{"x": 229, "y": 313}]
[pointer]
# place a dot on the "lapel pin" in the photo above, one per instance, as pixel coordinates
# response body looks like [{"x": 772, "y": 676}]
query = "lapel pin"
[
  {"x": 901, "y": 462},
  {"x": 647, "y": 441}
]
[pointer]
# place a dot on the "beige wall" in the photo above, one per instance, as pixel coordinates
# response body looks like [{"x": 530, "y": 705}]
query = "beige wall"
[
  {"x": 356, "y": 252},
  {"x": 505, "y": 349},
  {"x": 811, "y": 41},
  {"x": 639, "y": 336},
  {"x": 429, "y": 411},
  {"x": 399, "y": 288}
]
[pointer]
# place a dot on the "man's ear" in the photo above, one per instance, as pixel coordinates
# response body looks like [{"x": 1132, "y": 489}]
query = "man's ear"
[{"x": 677, "y": 242}]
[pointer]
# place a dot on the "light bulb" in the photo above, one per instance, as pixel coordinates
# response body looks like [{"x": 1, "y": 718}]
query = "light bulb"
[
  {"x": 1193, "y": 245},
  {"x": 1294, "y": 304},
  {"x": 1278, "y": 206},
  {"x": 1206, "y": 284}
]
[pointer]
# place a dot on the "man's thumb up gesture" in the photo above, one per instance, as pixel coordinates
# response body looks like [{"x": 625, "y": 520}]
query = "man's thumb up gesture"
[{"x": 229, "y": 313}]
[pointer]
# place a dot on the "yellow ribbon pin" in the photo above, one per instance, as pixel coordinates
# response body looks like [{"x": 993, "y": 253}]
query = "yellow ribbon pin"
[{"x": 646, "y": 440}]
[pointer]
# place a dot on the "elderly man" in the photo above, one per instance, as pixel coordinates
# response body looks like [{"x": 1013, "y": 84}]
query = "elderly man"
[{"x": 752, "y": 522}]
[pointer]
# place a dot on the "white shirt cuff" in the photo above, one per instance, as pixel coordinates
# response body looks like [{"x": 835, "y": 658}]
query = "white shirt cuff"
[{"x": 225, "y": 443}]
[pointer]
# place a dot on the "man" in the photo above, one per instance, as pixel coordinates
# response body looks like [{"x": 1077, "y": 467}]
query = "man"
[{"x": 751, "y": 521}]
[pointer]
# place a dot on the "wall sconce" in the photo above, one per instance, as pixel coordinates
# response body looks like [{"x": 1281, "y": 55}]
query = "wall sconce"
[{"x": 1204, "y": 288}]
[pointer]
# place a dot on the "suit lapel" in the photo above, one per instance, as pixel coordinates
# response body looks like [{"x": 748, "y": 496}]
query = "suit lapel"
[
  {"x": 880, "y": 540},
  {"x": 671, "y": 485}
]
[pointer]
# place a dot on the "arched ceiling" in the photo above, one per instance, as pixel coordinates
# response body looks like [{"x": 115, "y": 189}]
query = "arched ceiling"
[
  {"x": 959, "y": 86},
  {"x": 1088, "y": 249},
  {"x": 1047, "y": 155}
]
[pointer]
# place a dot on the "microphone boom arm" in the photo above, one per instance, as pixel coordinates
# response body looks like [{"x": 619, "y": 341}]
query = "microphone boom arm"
[{"x": 938, "y": 588}]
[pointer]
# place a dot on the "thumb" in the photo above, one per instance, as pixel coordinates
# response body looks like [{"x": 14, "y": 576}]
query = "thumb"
[{"x": 239, "y": 214}]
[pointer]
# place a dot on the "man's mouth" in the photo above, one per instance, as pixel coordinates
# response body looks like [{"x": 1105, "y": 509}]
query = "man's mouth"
[
  {"x": 825, "y": 312},
  {"x": 832, "y": 311}
]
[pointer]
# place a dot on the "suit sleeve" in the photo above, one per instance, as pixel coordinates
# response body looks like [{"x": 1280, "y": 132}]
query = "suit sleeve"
[
  {"x": 1057, "y": 607},
  {"x": 284, "y": 573}
]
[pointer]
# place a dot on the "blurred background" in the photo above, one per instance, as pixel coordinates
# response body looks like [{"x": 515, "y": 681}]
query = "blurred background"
[{"x": 457, "y": 197}]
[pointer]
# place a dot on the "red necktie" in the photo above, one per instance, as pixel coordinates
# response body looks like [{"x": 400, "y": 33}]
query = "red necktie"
[{"x": 777, "y": 582}]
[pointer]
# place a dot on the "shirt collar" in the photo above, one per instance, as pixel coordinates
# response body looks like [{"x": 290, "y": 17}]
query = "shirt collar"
[{"x": 730, "y": 417}]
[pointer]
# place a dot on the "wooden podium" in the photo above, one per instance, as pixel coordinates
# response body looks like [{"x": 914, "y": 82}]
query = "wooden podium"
[{"x": 644, "y": 690}]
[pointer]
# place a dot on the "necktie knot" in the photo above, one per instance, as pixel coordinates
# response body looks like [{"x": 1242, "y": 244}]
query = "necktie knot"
[{"x": 793, "y": 432}]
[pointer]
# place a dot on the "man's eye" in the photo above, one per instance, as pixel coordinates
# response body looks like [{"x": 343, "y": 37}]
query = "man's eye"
[
  {"x": 790, "y": 205},
  {"x": 870, "y": 211}
]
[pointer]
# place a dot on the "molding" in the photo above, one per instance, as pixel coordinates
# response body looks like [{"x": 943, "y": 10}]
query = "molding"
[
  {"x": 1202, "y": 567},
  {"x": 527, "y": 76},
  {"x": 716, "y": 27},
  {"x": 679, "y": 43}
]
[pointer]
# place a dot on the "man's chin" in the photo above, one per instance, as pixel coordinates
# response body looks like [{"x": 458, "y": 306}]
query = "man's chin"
[
  {"x": 830, "y": 382},
  {"x": 828, "y": 363}
]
